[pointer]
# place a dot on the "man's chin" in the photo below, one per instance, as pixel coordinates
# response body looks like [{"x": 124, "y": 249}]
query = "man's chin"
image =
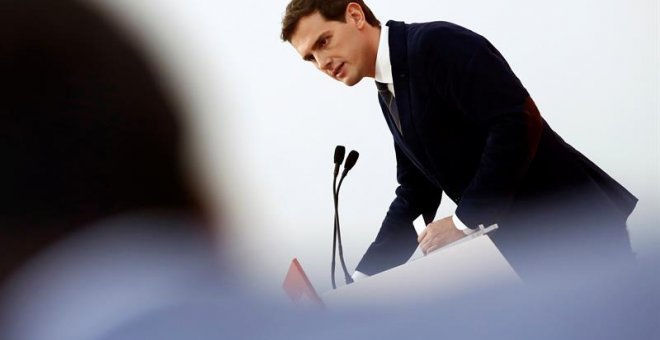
[{"x": 351, "y": 81}]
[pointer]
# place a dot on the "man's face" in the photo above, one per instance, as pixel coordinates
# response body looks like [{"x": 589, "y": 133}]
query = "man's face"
[{"x": 338, "y": 49}]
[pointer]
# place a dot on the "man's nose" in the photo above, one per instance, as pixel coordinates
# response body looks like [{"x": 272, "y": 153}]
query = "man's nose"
[{"x": 324, "y": 63}]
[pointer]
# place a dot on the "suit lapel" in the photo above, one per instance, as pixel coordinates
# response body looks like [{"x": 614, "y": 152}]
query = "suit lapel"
[{"x": 400, "y": 72}]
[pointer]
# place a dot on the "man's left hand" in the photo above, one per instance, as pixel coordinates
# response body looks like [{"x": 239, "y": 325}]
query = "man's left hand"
[{"x": 439, "y": 234}]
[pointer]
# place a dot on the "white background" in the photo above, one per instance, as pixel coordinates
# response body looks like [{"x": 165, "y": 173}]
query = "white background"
[{"x": 265, "y": 123}]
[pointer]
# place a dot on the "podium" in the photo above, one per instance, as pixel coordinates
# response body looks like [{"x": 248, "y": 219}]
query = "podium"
[{"x": 463, "y": 266}]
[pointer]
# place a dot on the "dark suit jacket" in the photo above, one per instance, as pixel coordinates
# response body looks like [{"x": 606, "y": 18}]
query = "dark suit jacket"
[{"x": 470, "y": 129}]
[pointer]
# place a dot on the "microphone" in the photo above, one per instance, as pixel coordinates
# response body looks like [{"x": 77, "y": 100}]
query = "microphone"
[
  {"x": 350, "y": 163},
  {"x": 339, "y": 158}
]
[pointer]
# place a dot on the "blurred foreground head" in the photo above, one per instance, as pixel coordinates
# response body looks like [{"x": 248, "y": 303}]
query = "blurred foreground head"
[
  {"x": 98, "y": 223},
  {"x": 87, "y": 131}
]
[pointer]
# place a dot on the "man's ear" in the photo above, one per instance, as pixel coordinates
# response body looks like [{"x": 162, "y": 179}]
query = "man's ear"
[{"x": 355, "y": 15}]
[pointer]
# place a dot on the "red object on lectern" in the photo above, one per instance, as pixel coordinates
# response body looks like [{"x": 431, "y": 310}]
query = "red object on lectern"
[{"x": 297, "y": 285}]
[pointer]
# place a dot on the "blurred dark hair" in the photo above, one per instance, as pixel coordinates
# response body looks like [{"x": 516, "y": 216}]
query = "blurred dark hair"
[
  {"x": 87, "y": 131},
  {"x": 333, "y": 10}
]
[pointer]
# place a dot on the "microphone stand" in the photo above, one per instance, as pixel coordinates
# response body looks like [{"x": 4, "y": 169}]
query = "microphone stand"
[
  {"x": 334, "y": 232},
  {"x": 347, "y": 277},
  {"x": 336, "y": 237}
]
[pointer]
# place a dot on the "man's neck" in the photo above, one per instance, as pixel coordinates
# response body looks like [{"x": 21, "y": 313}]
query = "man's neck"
[{"x": 373, "y": 41}]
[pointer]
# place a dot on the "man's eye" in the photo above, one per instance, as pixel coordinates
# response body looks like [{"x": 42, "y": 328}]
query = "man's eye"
[{"x": 324, "y": 42}]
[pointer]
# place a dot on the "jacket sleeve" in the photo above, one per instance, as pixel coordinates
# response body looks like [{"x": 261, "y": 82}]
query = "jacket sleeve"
[
  {"x": 397, "y": 239},
  {"x": 486, "y": 90}
]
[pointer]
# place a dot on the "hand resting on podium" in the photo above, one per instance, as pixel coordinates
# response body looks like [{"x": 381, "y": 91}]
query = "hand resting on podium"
[
  {"x": 439, "y": 234},
  {"x": 434, "y": 236}
]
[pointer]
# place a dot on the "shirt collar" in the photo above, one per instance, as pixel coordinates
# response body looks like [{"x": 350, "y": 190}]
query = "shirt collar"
[{"x": 383, "y": 65}]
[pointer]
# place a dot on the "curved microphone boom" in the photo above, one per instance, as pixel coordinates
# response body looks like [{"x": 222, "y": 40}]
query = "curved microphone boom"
[{"x": 350, "y": 163}]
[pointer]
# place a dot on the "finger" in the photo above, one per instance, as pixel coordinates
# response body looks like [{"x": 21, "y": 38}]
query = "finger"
[
  {"x": 426, "y": 243},
  {"x": 433, "y": 248},
  {"x": 423, "y": 249}
]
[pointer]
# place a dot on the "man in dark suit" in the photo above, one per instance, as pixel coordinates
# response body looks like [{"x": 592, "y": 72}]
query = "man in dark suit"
[{"x": 464, "y": 124}]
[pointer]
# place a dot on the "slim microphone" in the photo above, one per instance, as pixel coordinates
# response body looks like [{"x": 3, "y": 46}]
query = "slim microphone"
[
  {"x": 339, "y": 158},
  {"x": 350, "y": 163}
]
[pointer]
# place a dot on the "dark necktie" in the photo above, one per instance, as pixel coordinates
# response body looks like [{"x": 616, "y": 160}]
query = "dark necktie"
[{"x": 390, "y": 101}]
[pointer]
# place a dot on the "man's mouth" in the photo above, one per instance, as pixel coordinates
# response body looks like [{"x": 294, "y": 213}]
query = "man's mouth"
[{"x": 337, "y": 71}]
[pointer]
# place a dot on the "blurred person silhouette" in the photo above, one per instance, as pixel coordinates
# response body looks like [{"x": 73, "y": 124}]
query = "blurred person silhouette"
[
  {"x": 99, "y": 222},
  {"x": 87, "y": 131}
]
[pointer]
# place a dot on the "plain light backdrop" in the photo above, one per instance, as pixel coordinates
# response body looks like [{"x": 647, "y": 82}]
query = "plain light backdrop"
[{"x": 266, "y": 123}]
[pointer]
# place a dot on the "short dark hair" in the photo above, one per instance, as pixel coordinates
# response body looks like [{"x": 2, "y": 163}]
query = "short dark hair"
[{"x": 329, "y": 9}]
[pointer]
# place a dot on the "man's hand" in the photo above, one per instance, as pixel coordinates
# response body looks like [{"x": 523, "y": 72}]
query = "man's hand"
[{"x": 438, "y": 234}]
